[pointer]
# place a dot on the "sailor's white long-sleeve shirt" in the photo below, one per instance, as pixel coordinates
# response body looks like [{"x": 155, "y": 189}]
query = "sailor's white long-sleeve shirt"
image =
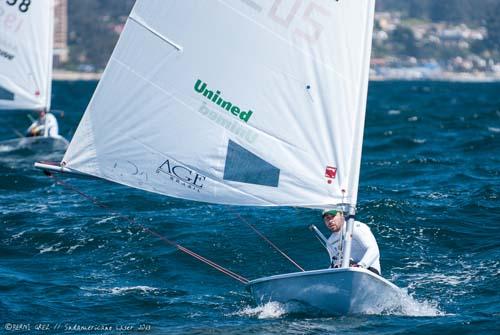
[{"x": 364, "y": 250}]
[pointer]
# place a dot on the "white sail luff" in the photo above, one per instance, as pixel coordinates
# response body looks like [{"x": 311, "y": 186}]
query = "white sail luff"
[
  {"x": 49, "y": 56},
  {"x": 237, "y": 105},
  {"x": 362, "y": 100}
]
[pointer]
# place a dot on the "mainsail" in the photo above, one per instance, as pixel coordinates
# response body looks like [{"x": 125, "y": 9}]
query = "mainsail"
[
  {"x": 26, "y": 41},
  {"x": 234, "y": 102}
]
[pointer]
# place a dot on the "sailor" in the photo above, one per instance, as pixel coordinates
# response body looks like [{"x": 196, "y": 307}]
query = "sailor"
[
  {"x": 46, "y": 125},
  {"x": 364, "y": 249}
]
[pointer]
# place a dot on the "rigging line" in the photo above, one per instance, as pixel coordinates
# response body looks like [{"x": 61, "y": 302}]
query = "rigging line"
[
  {"x": 342, "y": 233},
  {"x": 187, "y": 251},
  {"x": 320, "y": 241},
  {"x": 199, "y": 257},
  {"x": 270, "y": 243}
]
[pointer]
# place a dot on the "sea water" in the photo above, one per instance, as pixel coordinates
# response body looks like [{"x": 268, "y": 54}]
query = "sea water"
[{"x": 429, "y": 190}]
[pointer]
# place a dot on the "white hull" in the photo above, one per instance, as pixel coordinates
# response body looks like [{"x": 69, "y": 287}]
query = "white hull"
[
  {"x": 334, "y": 291},
  {"x": 37, "y": 143}
]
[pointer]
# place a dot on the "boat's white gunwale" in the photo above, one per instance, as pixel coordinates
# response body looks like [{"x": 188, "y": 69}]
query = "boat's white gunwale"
[{"x": 319, "y": 272}]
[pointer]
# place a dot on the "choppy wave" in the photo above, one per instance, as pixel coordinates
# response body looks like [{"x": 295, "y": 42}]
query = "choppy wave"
[{"x": 123, "y": 290}]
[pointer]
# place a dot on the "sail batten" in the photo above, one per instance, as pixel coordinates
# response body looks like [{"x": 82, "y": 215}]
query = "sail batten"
[
  {"x": 261, "y": 111},
  {"x": 154, "y": 32}
]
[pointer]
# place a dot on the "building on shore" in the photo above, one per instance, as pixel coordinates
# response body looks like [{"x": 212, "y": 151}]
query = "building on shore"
[{"x": 61, "y": 51}]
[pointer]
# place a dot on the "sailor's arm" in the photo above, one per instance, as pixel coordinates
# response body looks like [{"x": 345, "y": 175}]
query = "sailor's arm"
[
  {"x": 33, "y": 125},
  {"x": 333, "y": 250},
  {"x": 51, "y": 126},
  {"x": 366, "y": 238},
  {"x": 48, "y": 125},
  {"x": 33, "y": 129}
]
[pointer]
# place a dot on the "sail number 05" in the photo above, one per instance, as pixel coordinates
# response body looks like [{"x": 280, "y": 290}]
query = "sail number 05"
[
  {"x": 284, "y": 13},
  {"x": 23, "y": 7}
]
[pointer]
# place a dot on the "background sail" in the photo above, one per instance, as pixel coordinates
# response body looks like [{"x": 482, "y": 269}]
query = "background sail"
[
  {"x": 26, "y": 41},
  {"x": 237, "y": 102}
]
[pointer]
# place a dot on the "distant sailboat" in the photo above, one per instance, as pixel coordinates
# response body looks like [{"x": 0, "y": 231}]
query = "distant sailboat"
[
  {"x": 26, "y": 51},
  {"x": 241, "y": 103}
]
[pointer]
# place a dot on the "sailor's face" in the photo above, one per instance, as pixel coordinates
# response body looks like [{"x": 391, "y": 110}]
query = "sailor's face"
[{"x": 334, "y": 222}]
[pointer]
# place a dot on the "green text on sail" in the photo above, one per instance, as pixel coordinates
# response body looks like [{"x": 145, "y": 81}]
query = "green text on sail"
[{"x": 201, "y": 87}]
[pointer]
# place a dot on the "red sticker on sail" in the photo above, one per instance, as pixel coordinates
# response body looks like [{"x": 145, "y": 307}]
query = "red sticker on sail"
[{"x": 330, "y": 173}]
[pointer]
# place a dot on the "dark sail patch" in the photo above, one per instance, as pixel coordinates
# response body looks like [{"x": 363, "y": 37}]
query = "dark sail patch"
[
  {"x": 245, "y": 167},
  {"x": 6, "y": 95}
]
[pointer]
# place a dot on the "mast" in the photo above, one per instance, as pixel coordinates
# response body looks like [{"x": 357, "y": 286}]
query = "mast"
[{"x": 348, "y": 238}]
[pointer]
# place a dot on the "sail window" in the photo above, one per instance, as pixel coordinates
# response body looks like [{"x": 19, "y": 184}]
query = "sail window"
[
  {"x": 6, "y": 95},
  {"x": 245, "y": 167}
]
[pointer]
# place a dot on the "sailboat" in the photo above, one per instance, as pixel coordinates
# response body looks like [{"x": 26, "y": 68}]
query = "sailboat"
[
  {"x": 241, "y": 103},
  {"x": 26, "y": 51}
]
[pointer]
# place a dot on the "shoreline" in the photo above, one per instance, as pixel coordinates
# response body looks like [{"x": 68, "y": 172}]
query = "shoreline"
[{"x": 64, "y": 75}]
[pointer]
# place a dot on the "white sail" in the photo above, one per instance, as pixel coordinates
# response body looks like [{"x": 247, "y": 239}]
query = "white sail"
[
  {"x": 243, "y": 102},
  {"x": 26, "y": 40}
]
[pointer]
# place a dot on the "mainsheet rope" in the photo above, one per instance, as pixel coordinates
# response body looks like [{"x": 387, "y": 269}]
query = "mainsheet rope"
[
  {"x": 132, "y": 221},
  {"x": 270, "y": 243}
]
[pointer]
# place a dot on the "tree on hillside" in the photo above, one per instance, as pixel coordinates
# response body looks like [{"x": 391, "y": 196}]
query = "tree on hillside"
[
  {"x": 449, "y": 10},
  {"x": 455, "y": 11},
  {"x": 418, "y": 9},
  {"x": 91, "y": 29},
  {"x": 493, "y": 27},
  {"x": 404, "y": 38}
]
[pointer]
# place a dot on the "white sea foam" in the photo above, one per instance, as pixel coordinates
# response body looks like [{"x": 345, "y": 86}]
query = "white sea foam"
[
  {"x": 419, "y": 140},
  {"x": 413, "y": 119},
  {"x": 437, "y": 195},
  {"x": 119, "y": 290},
  {"x": 403, "y": 305},
  {"x": 53, "y": 248},
  {"x": 394, "y": 112},
  {"x": 494, "y": 129},
  {"x": 271, "y": 310},
  {"x": 409, "y": 306},
  {"x": 6, "y": 148},
  {"x": 72, "y": 248},
  {"x": 447, "y": 279},
  {"x": 124, "y": 290},
  {"x": 106, "y": 219},
  {"x": 18, "y": 235}
]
